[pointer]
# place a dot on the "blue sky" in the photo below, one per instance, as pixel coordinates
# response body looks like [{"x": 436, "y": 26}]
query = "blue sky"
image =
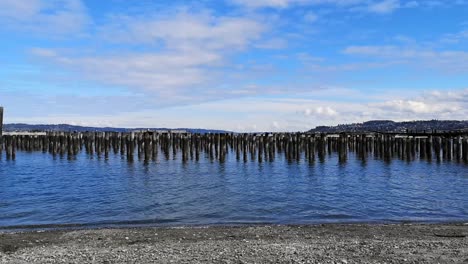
[{"x": 242, "y": 65}]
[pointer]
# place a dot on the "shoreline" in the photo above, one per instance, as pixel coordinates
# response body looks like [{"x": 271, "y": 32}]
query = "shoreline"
[
  {"x": 320, "y": 243},
  {"x": 148, "y": 224}
]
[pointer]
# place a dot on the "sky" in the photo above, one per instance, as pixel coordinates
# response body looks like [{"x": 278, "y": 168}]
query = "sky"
[{"x": 238, "y": 65}]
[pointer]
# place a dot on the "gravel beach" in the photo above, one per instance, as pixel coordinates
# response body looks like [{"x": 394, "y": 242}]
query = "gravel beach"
[{"x": 331, "y": 243}]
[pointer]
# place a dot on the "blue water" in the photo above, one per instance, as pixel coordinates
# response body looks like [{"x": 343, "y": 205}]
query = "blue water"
[{"x": 38, "y": 189}]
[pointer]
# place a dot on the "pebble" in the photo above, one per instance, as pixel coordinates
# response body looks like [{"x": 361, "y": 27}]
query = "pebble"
[{"x": 228, "y": 245}]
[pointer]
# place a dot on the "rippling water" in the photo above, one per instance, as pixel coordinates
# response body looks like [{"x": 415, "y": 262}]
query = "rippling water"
[{"x": 37, "y": 189}]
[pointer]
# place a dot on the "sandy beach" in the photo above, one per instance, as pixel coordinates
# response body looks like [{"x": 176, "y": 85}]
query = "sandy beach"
[{"x": 334, "y": 243}]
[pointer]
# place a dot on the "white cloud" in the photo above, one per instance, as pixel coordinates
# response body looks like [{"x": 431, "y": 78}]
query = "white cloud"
[
  {"x": 374, "y": 6},
  {"x": 431, "y": 105},
  {"x": 183, "y": 55},
  {"x": 381, "y": 51},
  {"x": 411, "y": 4},
  {"x": 451, "y": 62},
  {"x": 19, "y": 10},
  {"x": 265, "y": 113},
  {"x": 149, "y": 71},
  {"x": 417, "y": 107},
  {"x": 369, "y": 6},
  {"x": 184, "y": 31},
  {"x": 274, "y": 43},
  {"x": 321, "y": 111},
  {"x": 58, "y": 17},
  {"x": 42, "y": 52},
  {"x": 288, "y": 3},
  {"x": 455, "y": 38},
  {"x": 275, "y": 125},
  {"x": 265, "y": 3},
  {"x": 384, "y": 7},
  {"x": 249, "y": 114},
  {"x": 310, "y": 17}
]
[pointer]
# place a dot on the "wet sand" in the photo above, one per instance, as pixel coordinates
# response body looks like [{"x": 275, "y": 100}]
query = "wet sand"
[{"x": 334, "y": 243}]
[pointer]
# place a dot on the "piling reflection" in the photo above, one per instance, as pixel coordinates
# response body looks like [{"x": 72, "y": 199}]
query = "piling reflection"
[{"x": 265, "y": 147}]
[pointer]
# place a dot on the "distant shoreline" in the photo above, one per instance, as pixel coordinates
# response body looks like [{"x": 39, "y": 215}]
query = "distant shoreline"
[
  {"x": 381, "y": 126},
  {"x": 340, "y": 243}
]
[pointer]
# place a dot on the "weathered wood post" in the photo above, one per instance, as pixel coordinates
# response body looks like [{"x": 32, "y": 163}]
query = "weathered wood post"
[
  {"x": 147, "y": 145},
  {"x": 1, "y": 120},
  {"x": 155, "y": 144},
  {"x": 465, "y": 149},
  {"x": 342, "y": 148},
  {"x": 13, "y": 147},
  {"x": 1, "y": 129},
  {"x": 8, "y": 147}
]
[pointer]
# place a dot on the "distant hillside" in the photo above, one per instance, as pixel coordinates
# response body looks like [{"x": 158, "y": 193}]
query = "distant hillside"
[
  {"x": 71, "y": 128},
  {"x": 391, "y": 126}
]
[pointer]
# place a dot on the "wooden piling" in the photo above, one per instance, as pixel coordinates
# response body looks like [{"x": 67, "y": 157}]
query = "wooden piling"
[
  {"x": 1, "y": 131},
  {"x": 264, "y": 147}
]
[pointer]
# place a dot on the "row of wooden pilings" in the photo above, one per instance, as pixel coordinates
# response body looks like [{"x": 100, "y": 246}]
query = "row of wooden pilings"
[{"x": 148, "y": 146}]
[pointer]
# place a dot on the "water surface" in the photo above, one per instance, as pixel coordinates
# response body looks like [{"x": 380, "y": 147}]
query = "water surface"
[{"x": 38, "y": 189}]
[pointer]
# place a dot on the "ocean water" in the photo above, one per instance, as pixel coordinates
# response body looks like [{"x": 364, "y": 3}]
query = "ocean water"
[{"x": 38, "y": 189}]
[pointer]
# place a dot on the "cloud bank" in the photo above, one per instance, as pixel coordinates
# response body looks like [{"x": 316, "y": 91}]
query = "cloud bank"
[{"x": 266, "y": 65}]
